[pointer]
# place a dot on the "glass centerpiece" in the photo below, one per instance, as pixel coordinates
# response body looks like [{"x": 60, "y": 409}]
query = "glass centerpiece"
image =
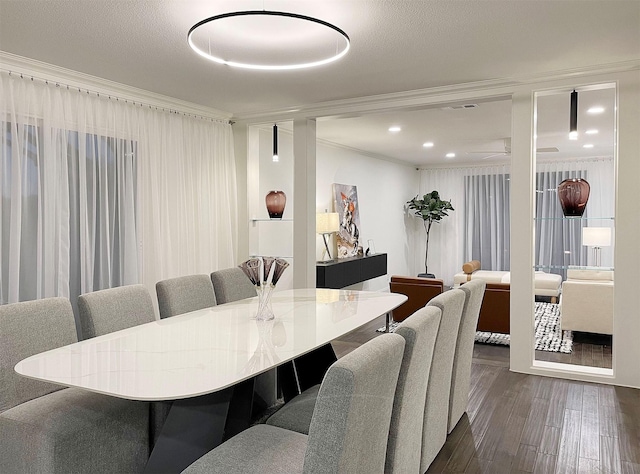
[{"x": 264, "y": 273}]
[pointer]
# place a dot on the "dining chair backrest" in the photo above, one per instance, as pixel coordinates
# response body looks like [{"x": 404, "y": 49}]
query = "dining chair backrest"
[
  {"x": 184, "y": 294},
  {"x": 105, "y": 311},
  {"x": 461, "y": 377},
  {"x": 231, "y": 284},
  {"x": 350, "y": 423},
  {"x": 26, "y": 329},
  {"x": 405, "y": 434},
  {"x": 436, "y": 411}
]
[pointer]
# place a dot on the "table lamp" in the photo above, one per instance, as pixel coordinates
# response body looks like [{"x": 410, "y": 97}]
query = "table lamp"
[
  {"x": 326, "y": 224},
  {"x": 596, "y": 237}
]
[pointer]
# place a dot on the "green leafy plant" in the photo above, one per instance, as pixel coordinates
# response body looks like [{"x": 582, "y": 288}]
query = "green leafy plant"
[{"x": 430, "y": 209}]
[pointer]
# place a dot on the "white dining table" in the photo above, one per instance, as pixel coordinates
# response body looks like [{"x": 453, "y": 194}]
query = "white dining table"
[{"x": 198, "y": 359}]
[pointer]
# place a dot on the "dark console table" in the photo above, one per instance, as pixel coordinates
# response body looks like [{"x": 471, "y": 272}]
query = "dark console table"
[{"x": 349, "y": 271}]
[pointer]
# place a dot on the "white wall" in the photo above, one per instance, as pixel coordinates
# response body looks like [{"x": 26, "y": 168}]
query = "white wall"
[{"x": 383, "y": 188}]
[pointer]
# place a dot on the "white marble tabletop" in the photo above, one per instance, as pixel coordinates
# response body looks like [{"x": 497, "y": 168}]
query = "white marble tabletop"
[{"x": 207, "y": 350}]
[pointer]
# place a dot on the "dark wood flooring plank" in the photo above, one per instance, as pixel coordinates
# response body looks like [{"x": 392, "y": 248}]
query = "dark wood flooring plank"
[
  {"x": 480, "y": 392},
  {"x": 550, "y": 443},
  {"x": 607, "y": 396},
  {"x": 532, "y": 433},
  {"x": 479, "y": 466},
  {"x": 465, "y": 451},
  {"x": 629, "y": 442},
  {"x": 526, "y": 458},
  {"x": 630, "y": 468},
  {"x": 590, "y": 424},
  {"x": 544, "y": 388},
  {"x": 450, "y": 447},
  {"x": 559, "y": 390},
  {"x": 495, "y": 430},
  {"x": 588, "y": 466},
  {"x": 608, "y": 418},
  {"x": 574, "y": 396},
  {"x": 609, "y": 455},
  {"x": 569, "y": 443},
  {"x": 545, "y": 463}
]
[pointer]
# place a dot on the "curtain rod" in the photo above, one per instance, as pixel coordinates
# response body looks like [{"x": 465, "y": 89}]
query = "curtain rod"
[{"x": 112, "y": 97}]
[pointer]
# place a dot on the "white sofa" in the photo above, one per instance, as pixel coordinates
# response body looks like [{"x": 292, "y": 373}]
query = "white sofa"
[
  {"x": 546, "y": 284},
  {"x": 587, "y": 301}
]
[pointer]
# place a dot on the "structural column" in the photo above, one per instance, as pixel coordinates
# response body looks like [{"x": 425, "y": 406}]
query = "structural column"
[{"x": 304, "y": 195}]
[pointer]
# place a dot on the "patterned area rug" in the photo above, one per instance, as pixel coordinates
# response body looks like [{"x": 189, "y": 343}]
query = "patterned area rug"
[{"x": 549, "y": 337}]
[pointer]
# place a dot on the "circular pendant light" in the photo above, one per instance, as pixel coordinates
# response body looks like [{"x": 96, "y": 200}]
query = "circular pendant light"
[{"x": 268, "y": 40}]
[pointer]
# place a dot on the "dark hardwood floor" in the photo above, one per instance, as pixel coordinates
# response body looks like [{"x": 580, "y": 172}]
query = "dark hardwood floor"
[
  {"x": 589, "y": 350},
  {"x": 518, "y": 423}
]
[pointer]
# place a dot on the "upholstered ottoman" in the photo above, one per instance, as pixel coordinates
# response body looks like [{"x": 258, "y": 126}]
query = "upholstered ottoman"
[{"x": 545, "y": 284}]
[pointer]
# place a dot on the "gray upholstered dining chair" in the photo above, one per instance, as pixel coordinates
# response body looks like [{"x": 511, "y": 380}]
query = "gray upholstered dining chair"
[
  {"x": 231, "y": 284},
  {"x": 50, "y": 428},
  {"x": 349, "y": 427},
  {"x": 184, "y": 294},
  {"x": 405, "y": 434},
  {"x": 436, "y": 410},
  {"x": 461, "y": 377},
  {"x": 105, "y": 311}
]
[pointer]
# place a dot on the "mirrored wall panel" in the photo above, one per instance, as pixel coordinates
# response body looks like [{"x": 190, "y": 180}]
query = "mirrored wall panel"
[{"x": 575, "y": 225}]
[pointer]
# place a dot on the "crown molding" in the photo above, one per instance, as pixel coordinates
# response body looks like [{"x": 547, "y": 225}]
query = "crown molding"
[
  {"x": 489, "y": 89},
  {"x": 52, "y": 73}
]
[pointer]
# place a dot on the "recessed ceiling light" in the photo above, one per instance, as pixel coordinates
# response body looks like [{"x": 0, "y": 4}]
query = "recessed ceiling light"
[
  {"x": 450, "y": 155},
  {"x": 595, "y": 110},
  {"x": 587, "y": 145},
  {"x": 573, "y": 135},
  {"x": 394, "y": 129},
  {"x": 427, "y": 144},
  {"x": 593, "y": 131}
]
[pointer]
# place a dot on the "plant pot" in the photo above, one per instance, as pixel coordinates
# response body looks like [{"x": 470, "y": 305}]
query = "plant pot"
[
  {"x": 276, "y": 201},
  {"x": 573, "y": 194}
]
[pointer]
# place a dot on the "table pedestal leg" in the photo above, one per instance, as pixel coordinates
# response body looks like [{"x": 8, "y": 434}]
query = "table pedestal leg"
[
  {"x": 196, "y": 425},
  {"x": 305, "y": 371}
]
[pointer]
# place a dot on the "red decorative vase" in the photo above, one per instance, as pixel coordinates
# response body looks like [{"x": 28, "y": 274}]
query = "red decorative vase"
[
  {"x": 573, "y": 194},
  {"x": 276, "y": 200}
]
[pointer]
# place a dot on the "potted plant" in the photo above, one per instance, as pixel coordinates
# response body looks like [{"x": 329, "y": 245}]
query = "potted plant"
[{"x": 431, "y": 209}]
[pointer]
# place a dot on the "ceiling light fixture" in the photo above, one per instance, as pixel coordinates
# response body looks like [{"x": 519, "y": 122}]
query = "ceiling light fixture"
[
  {"x": 427, "y": 144},
  {"x": 593, "y": 131},
  {"x": 244, "y": 39},
  {"x": 276, "y": 158},
  {"x": 587, "y": 145},
  {"x": 450, "y": 155},
  {"x": 595, "y": 110},
  {"x": 573, "y": 116},
  {"x": 394, "y": 129}
]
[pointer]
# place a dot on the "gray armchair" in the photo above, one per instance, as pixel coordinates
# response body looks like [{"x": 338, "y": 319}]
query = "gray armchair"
[
  {"x": 231, "y": 284},
  {"x": 47, "y": 428},
  {"x": 461, "y": 377},
  {"x": 405, "y": 434},
  {"x": 105, "y": 311},
  {"x": 184, "y": 294},
  {"x": 436, "y": 412},
  {"x": 349, "y": 427}
]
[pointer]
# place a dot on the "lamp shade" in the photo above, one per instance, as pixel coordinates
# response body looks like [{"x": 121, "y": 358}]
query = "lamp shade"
[
  {"x": 596, "y": 236},
  {"x": 327, "y": 222}
]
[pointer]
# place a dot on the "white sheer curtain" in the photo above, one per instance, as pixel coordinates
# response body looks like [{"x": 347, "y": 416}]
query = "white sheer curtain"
[
  {"x": 97, "y": 192},
  {"x": 479, "y": 226}
]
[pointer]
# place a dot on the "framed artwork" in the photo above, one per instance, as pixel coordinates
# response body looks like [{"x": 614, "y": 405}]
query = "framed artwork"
[{"x": 347, "y": 206}]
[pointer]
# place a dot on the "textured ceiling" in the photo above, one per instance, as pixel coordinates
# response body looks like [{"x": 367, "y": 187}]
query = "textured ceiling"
[{"x": 397, "y": 45}]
